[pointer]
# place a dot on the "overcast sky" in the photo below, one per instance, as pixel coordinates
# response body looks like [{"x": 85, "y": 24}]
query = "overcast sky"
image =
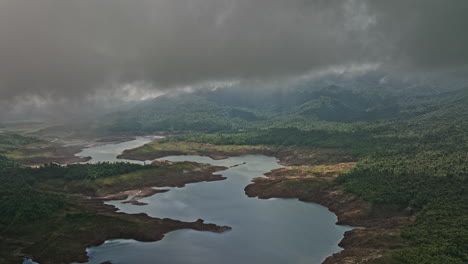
[{"x": 59, "y": 52}]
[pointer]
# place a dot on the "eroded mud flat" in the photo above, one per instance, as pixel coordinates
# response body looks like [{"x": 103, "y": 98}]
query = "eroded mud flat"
[{"x": 264, "y": 231}]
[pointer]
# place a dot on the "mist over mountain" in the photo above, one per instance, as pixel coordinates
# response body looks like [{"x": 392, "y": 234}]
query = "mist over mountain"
[
  {"x": 335, "y": 97},
  {"x": 86, "y": 56},
  {"x": 356, "y": 105}
]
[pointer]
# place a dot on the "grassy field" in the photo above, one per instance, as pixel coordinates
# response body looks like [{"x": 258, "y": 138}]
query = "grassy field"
[
  {"x": 330, "y": 171},
  {"x": 158, "y": 149}
]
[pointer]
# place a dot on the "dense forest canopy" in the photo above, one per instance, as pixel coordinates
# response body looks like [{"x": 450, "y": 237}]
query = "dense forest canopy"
[
  {"x": 23, "y": 202},
  {"x": 410, "y": 138}
]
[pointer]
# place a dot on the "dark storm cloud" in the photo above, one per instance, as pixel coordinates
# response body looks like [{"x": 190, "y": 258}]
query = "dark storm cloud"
[
  {"x": 56, "y": 47},
  {"x": 64, "y": 51},
  {"x": 423, "y": 35}
]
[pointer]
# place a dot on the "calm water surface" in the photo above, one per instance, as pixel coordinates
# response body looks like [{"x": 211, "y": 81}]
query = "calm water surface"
[{"x": 264, "y": 231}]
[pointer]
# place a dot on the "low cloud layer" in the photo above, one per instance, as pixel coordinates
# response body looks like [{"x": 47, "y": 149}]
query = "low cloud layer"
[
  {"x": 423, "y": 35},
  {"x": 69, "y": 51}
]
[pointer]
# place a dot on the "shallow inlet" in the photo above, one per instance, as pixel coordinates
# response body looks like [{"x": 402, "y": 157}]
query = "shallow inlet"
[{"x": 264, "y": 231}]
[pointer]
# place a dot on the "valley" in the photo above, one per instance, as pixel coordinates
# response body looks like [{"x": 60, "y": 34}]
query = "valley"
[
  {"x": 393, "y": 176},
  {"x": 233, "y": 131}
]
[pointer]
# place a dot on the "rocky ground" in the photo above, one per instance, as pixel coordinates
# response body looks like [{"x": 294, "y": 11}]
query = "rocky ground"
[
  {"x": 87, "y": 221},
  {"x": 378, "y": 231},
  {"x": 287, "y": 156},
  {"x": 103, "y": 223},
  {"x": 309, "y": 177},
  {"x": 62, "y": 151}
]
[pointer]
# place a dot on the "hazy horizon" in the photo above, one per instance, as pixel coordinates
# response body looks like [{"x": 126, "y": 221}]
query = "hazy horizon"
[{"x": 88, "y": 56}]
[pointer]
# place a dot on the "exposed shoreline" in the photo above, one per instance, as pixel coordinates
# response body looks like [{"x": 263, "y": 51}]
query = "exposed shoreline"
[
  {"x": 357, "y": 244},
  {"x": 87, "y": 221},
  {"x": 380, "y": 230},
  {"x": 139, "y": 227},
  {"x": 378, "y": 233},
  {"x": 288, "y": 156},
  {"x": 59, "y": 151}
]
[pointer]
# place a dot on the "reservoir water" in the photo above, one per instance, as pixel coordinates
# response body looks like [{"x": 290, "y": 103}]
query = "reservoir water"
[{"x": 263, "y": 231}]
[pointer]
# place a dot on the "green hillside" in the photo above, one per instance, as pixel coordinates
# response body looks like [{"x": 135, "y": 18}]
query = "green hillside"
[
  {"x": 181, "y": 113},
  {"x": 411, "y": 139}
]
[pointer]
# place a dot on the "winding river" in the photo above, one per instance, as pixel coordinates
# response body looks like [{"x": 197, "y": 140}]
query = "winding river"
[{"x": 263, "y": 231}]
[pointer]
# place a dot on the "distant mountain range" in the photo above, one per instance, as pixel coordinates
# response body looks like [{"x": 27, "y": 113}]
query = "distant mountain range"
[{"x": 342, "y": 98}]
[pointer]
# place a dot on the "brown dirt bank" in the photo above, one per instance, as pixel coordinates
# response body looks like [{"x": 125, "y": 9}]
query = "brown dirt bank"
[
  {"x": 288, "y": 156},
  {"x": 310, "y": 179},
  {"x": 381, "y": 231},
  {"x": 156, "y": 150},
  {"x": 87, "y": 221},
  {"x": 176, "y": 174},
  {"x": 59, "y": 150},
  {"x": 114, "y": 139},
  {"x": 164, "y": 174},
  {"x": 137, "y": 195},
  {"x": 37, "y": 154},
  {"x": 146, "y": 192},
  {"x": 82, "y": 230}
]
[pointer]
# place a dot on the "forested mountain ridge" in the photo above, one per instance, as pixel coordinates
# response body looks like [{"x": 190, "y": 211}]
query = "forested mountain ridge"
[
  {"x": 181, "y": 113},
  {"x": 371, "y": 98},
  {"x": 411, "y": 139}
]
